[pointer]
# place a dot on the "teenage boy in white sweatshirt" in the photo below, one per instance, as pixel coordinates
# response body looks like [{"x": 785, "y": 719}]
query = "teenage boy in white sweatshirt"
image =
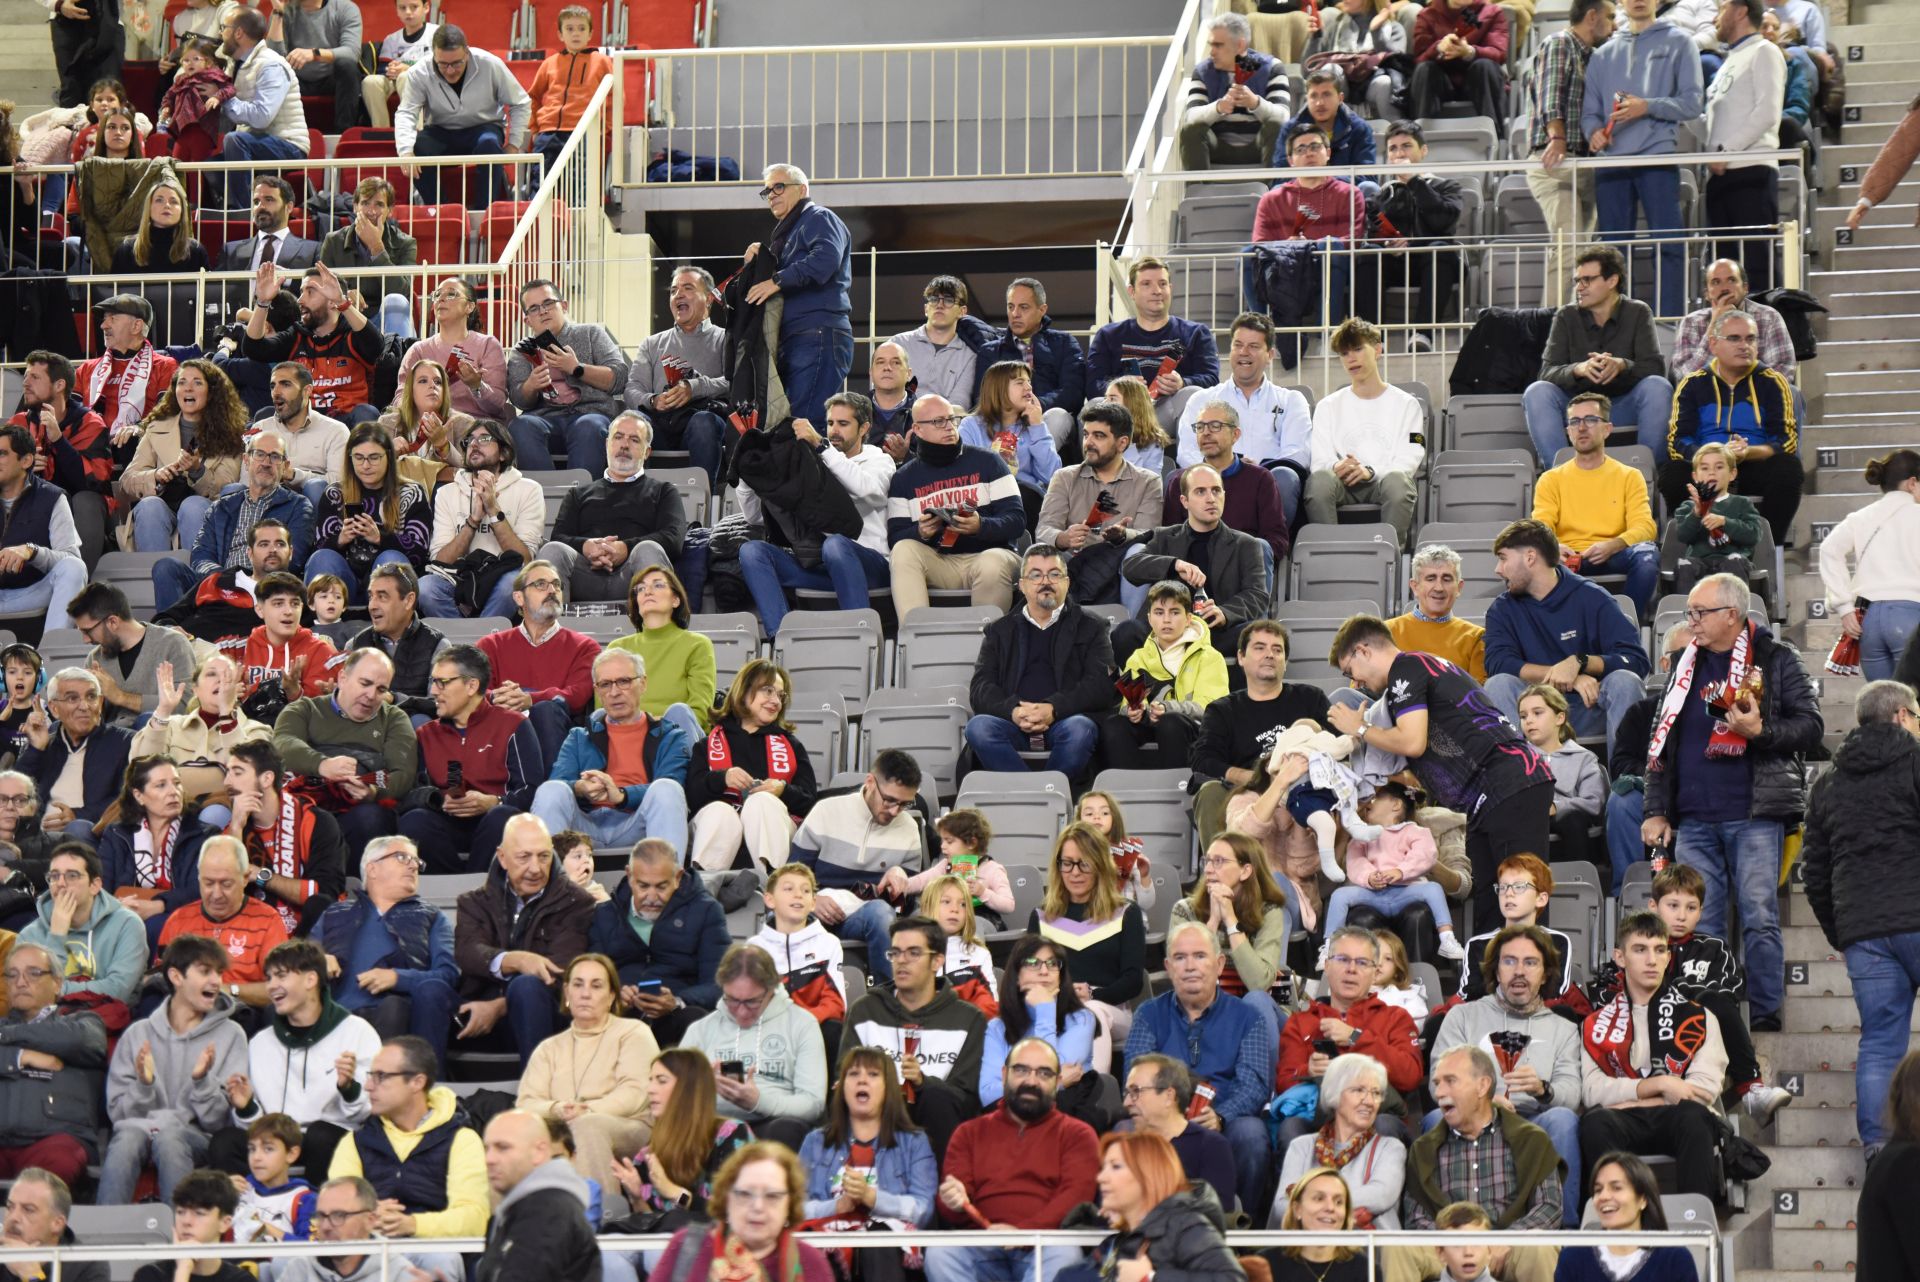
[
  {"x": 1365, "y": 446},
  {"x": 1744, "y": 101}
]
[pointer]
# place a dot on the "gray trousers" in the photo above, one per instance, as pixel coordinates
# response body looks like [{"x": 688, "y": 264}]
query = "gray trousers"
[
  {"x": 1393, "y": 491},
  {"x": 584, "y": 583}
]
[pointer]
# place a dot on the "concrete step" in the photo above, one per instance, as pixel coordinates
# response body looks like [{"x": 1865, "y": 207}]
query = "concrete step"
[
  {"x": 1785, "y": 1275},
  {"x": 1888, "y": 352},
  {"x": 1817, "y": 1209},
  {"x": 1831, "y": 1250},
  {"x": 1796, "y": 1126},
  {"x": 1885, "y": 227},
  {"x": 1871, "y": 427},
  {"x": 1826, "y": 1015},
  {"x": 1847, "y": 395},
  {"x": 1818, "y": 1089},
  {"x": 1802, "y": 1168},
  {"x": 1873, "y": 116},
  {"x": 1828, "y": 510},
  {"x": 1873, "y": 257},
  {"x": 1844, "y": 329},
  {"x": 1823, "y": 979},
  {"x": 1875, "y": 74},
  {"x": 1808, "y": 1052},
  {"x": 1806, "y": 944},
  {"x": 1847, "y": 298}
]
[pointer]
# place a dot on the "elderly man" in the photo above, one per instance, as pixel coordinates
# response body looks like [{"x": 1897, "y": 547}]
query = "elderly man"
[
  {"x": 1023, "y": 1165},
  {"x": 1483, "y": 1154},
  {"x": 37, "y": 1210},
  {"x": 678, "y": 378},
  {"x": 488, "y": 507},
  {"x": 621, "y": 523},
  {"x": 1059, "y": 366},
  {"x": 163, "y": 1085},
  {"x": 389, "y": 952},
  {"x": 101, "y": 614},
  {"x": 43, "y": 569},
  {"x": 1225, "y": 569},
  {"x": 479, "y": 765},
  {"x": 1597, "y": 506},
  {"x": 333, "y": 340},
  {"x": 344, "y": 1210},
  {"x": 1542, "y": 1082},
  {"x": 539, "y": 1228},
  {"x": 944, "y": 364},
  {"x": 316, "y": 442},
  {"x": 1094, "y": 508},
  {"x": 666, "y": 935},
  {"x": 620, "y": 796},
  {"x": 1724, "y": 778},
  {"x": 1602, "y": 342},
  {"x": 124, "y": 383},
  {"x": 418, "y": 1151},
  {"x": 1143, "y": 344},
  {"x": 566, "y": 380},
  {"x": 1737, "y": 402},
  {"x": 1236, "y": 102},
  {"x": 298, "y": 862},
  {"x": 783, "y": 1092},
  {"x": 77, "y": 764},
  {"x": 245, "y": 928},
  {"x": 396, "y": 630},
  {"x": 811, "y": 270},
  {"x": 228, "y": 538},
  {"x": 1352, "y": 1019},
  {"x": 456, "y": 110},
  {"x": 1159, "y": 1090},
  {"x": 541, "y": 668},
  {"x": 54, "y": 1061},
  {"x": 1224, "y": 1041},
  {"x": 515, "y": 936},
  {"x": 1428, "y": 626},
  {"x": 1727, "y": 291},
  {"x": 1872, "y": 791},
  {"x": 356, "y": 749},
  {"x": 953, "y": 514}
]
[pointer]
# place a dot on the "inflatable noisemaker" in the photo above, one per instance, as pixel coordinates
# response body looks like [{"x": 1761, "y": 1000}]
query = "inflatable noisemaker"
[
  {"x": 1132, "y": 689},
  {"x": 1844, "y": 659},
  {"x": 1508, "y": 1046}
]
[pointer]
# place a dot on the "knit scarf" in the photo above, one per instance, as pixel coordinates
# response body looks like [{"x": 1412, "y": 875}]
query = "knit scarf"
[
  {"x": 132, "y": 385},
  {"x": 1722, "y": 742},
  {"x": 1327, "y": 1151},
  {"x": 1679, "y": 1031},
  {"x": 782, "y": 761},
  {"x": 731, "y": 1261},
  {"x": 151, "y": 868}
]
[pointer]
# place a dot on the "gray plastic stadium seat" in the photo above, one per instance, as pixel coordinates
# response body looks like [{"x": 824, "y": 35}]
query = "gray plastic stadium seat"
[
  {"x": 1026, "y": 809},
  {"x": 736, "y": 638},
  {"x": 694, "y": 486},
  {"x": 1485, "y": 421},
  {"x": 1158, "y": 811},
  {"x": 927, "y": 721},
  {"x": 1310, "y": 629},
  {"x": 604, "y": 628},
  {"x": 132, "y": 573},
  {"x": 1028, "y": 882},
  {"x": 555, "y": 485},
  {"x": 820, "y": 723},
  {"x": 1635, "y": 456},
  {"x": 1334, "y": 562},
  {"x": 443, "y": 890},
  {"x": 1480, "y": 485},
  {"x": 937, "y": 645},
  {"x": 834, "y": 651},
  {"x": 63, "y": 648},
  {"x": 1577, "y": 908},
  {"x": 469, "y": 630},
  {"x": 1473, "y": 540},
  {"x": 1683, "y": 1211},
  {"x": 1216, "y": 220}
]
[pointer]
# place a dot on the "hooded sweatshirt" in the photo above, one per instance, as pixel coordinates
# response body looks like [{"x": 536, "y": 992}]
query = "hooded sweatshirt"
[
  {"x": 1660, "y": 64},
  {"x": 174, "y": 1097},
  {"x": 540, "y": 1229},
  {"x": 263, "y": 660},
  {"x": 106, "y": 955},
  {"x": 292, "y": 1068},
  {"x": 517, "y": 497},
  {"x": 809, "y": 964},
  {"x": 1553, "y": 1048},
  {"x": 1579, "y": 780},
  {"x": 1578, "y": 616},
  {"x": 1186, "y": 676},
  {"x": 952, "y": 1034},
  {"x": 783, "y": 1054},
  {"x": 465, "y": 1214}
]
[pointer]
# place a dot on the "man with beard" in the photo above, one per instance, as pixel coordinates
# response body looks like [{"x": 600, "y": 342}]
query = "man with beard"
[
  {"x": 101, "y": 614},
  {"x": 540, "y": 668},
  {"x": 1094, "y": 508},
  {"x": 280, "y": 660},
  {"x": 1237, "y": 732},
  {"x": 41, "y": 569},
  {"x": 222, "y": 607},
  {"x": 678, "y": 373},
  {"x": 37, "y": 1210},
  {"x": 68, "y": 447},
  {"x": 393, "y": 598},
  {"x": 1536, "y": 1051},
  {"x": 490, "y": 507},
  {"x": 298, "y": 865},
  {"x": 623, "y": 775},
  {"x": 244, "y": 928},
  {"x": 479, "y": 765},
  {"x": 269, "y": 121},
  {"x": 56, "y": 1060},
  {"x": 566, "y": 379},
  {"x": 271, "y": 242},
  {"x": 230, "y": 540},
  {"x": 1022, "y": 1166},
  {"x": 1727, "y": 292},
  {"x": 622, "y": 522},
  {"x": 953, "y": 513},
  {"x": 316, "y": 442},
  {"x": 1428, "y": 625},
  {"x": 1059, "y": 366},
  {"x": 666, "y": 936},
  {"x": 356, "y": 749},
  {"x": 1354, "y": 1020},
  {"x": 125, "y": 382},
  {"x": 333, "y": 339},
  {"x": 812, "y": 272},
  {"x": 75, "y": 762}
]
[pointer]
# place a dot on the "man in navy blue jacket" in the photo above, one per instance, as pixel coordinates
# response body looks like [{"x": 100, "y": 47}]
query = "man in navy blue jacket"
[
  {"x": 666, "y": 935},
  {"x": 814, "y": 253},
  {"x": 1558, "y": 629},
  {"x": 1059, "y": 367},
  {"x": 1145, "y": 345},
  {"x": 1350, "y": 139}
]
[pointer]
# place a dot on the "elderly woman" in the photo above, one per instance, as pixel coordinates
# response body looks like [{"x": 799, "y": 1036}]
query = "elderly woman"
[
  {"x": 593, "y": 1075},
  {"x": 1165, "y": 1228},
  {"x": 1319, "y": 1203},
  {"x": 1373, "y": 1165},
  {"x": 200, "y": 738},
  {"x": 1237, "y": 897},
  {"x": 759, "y": 1198},
  {"x": 23, "y": 873},
  {"x": 150, "y": 859}
]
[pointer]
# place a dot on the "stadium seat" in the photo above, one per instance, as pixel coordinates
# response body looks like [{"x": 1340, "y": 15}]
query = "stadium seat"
[
  {"x": 443, "y": 890},
  {"x": 1216, "y": 220},
  {"x": 736, "y": 638},
  {"x": 1636, "y": 456},
  {"x": 1484, "y": 421},
  {"x": 604, "y": 628},
  {"x": 1473, "y": 540},
  {"x": 1331, "y": 562},
  {"x": 695, "y": 490},
  {"x": 1028, "y": 882},
  {"x": 937, "y": 645},
  {"x": 1310, "y": 629},
  {"x": 927, "y": 721},
  {"x": 1480, "y": 485},
  {"x": 1578, "y": 907},
  {"x": 470, "y": 630},
  {"x": 831, "y": 651},
  {"x": 441, "y": 231},
  {"x": 819, "y": 721},
  {"x": 63, "y": 648},
  {"x": 132, "y": 573},
  {"x": 555, "y": 485},
  {"x": 1026, "y": 808}
]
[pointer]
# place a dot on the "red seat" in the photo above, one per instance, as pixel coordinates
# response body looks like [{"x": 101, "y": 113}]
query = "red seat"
[
  {"x": 488, "y": 23},
  {"x": 375, "y": 145},
  {"x": 525, "y": 68},
  {"x": 639, "y": 83},
  {"x": 660, "y": 24},
  {"x": 215, "y": 233},
  {"x": 497, "y": 224},
  {"x": 142, "y": 79},
  {"x": 319, "y": 112},
  {"x": 441, "y": 231}
]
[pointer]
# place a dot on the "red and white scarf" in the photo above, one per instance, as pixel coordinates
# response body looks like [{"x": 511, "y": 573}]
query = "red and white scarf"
[
  {"x": 1722, "y": 742},
  {"x": 782, "y": 761},
  {"x": 132, "y": 385},
  {"x": 152, "y": 869}
]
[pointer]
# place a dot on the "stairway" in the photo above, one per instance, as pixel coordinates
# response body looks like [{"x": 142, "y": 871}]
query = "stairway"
[
  {"x": 1799, "y": 1225},
  {"x": 27, "y": 76}
]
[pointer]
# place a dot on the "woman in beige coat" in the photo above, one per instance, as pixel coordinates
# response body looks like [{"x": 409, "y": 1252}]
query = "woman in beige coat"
[
  {"x": 200, "y": 739},
  {"x": 593, "y": 1075},
  {"x": 189, "y": 450}
]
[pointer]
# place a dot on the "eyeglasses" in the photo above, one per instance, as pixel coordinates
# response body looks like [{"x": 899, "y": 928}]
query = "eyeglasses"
[
  {"x": 540, "y": 308},
  {"x": 543, "y": 585},
  {"x": 32, "y": 976},
  {"x": 67, "y": 874},
  {"x": 1040, "y": 963},
  {"x": 1219, "y": 863},
  {"x": 375, "y": 1076},
  {"x": 15, "y": 800},
  {"x": 746, "y": 1003},
  {"x": 338, "y": 1219},
  {"x": 270, "y": 456},
  {"x": 1520, "y": 963},
  {"x": 1135, "y": 1092},
  {"x": 1311, "y": 145},
  {"x": 615, "y": 683},
  {"x": 951, "y": 420},
  {"x": 1373, "y": 1093},
  {"x": 941, "y": 300},
  {"x": 1045, "y": 576},
  {"x": 1587, "y": 420},
  {"x": 1744, "y": 340},
  {"x": 458, "y": 64},
  {"x": 1512, "y": 887},
  {"x": 398, "y": 856},
  {"x": 895, "y": 804},
  {"x": 1350, "y": 961},
  {"x": 1075, "y": 865},
  {"x": 1593, "y": 279},
  {"x": 1211, "y": 425},
  {"x": 757, "y": 1197},
  {"x": 897, "y": 955},
  {"x": 374, "y": 457},
  {"x": 1696, "y": 613},
  {"x": 441, "y": 683},
  {"x": 1040, "y": 1074},
  {"x": 772, "y": 189}
]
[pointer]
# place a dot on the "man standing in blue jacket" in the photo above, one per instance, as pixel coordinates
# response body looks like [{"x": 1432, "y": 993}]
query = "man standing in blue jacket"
[
  {"x": 1059, "y": 366},
  {"x": 1640, "y": 85},
  {"x": 814, "y": 270},
  {"x": 1169, "y": 354},
  {"x": 1556, "y": 628}
]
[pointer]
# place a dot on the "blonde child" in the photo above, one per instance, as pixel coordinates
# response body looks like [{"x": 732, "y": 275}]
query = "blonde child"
[
  {"x": 807, "y": 954},
  {"x": 968, "y": 969},
  {"x": 1102, "y": 812},
  {"x": 964, "y": 838},
  {"x": 1389, "y": 872},
  {"x": 1720, "y": 528},
  {"x": 327, "y": 599},
  {"x": 1579, "y": 780},
  {"x": 1394, "y": 983}
]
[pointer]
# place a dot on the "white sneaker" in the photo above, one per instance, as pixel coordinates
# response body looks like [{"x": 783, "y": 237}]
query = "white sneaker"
[
  {"x": 1320, "y": 963},
  {"x": 1451, "y": 947},
  {"x": 1762, "y": 1102}
]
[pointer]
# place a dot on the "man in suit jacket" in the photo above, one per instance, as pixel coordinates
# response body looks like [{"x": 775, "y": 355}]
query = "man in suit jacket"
[
  {"x": 1223, "y": 567},
  {"x": 273, "y": 207}
]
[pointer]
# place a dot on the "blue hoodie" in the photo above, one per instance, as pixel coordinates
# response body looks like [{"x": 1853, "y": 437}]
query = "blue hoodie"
[
  {"x": 1577, "y": 617},
  {"x": 1660, "y": 64}
]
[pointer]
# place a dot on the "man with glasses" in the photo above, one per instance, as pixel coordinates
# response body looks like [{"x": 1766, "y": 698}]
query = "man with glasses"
[
  {"x": 1223, "y": 1041},
  {"x": 1226, "y": 571},
  {"x": 1354, "y": 1021},
  {"x": 1094, "y": 508},
  {"x": 540, "y": 668},
  {"x": 227, "y": 540},
  {"x": 456, "y": 111},
  {"x": 1727, "y": 291},
  {"x": 1751, "y": 409},
  {"x": 1023, "y": 1165},
  {"x": 390, "y": 952},
  {"x": 621, "y": 522},
  {"x": 566, "y": 379},
  {"x": 1274, "y": 425},
  {"x": 100, "y": 613},
  {"x": 491, "y": 507},
  {"x": 50, "y": 1104},
  {"x": 860, "y": 845},
  {"x": 811, "y": 268},
  {"x": 934, "y": 1037},
  {"x": 21, "y": 878},
  {"x": 343, "y": 1211},
  {"x": 678, "y": 378},
  {"x": 1724, "y": 780},
  {"x": 479, "y": 764},
  {"x": 38, "y": 1205},
  {"x": 1602, "y": 342},
  {"x": 782, "y": 1089},
  {"x": 1158, "y": 1091},
  {"x": 1042, "y": 674},
  {"x": 1236, "y": 102},
  {"x": 1597, "y": 506},
  {"x": 539, "y": 1228},
  {"x": 623, "y": 776},
  {"x": 666, "y": 936},
  {"x": 242, "y": 927},
  {"x": 953, "y": 513},
  {"x": 421, "y": 1155},
  {"x": 944, "y": 363},
  {"x": 515, "y": 936},
  {"x": 74, "y": 760},
  {"x": 266, "y": 118},
  {"x": 357, "y": 750}
]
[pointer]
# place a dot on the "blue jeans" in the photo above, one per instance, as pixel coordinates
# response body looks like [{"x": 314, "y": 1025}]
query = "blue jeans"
[
  {"x": 813, "y": 364},
  {"x": 437, "y": 599},
  {"x": 1641, "y": 564},
  {"x": 171, "y": 581},
  {"x": 1626, "y": 811},
  {"x": 995, "y": 1263},
  {"x": 1388, "y": 901},
  {"x": 705, "y": 439},
  {"x": 662, "y": 813},
  {"x": 1619, "y": 691},
  {"x": 850, "y": 572},
  {"x": 154, "y": 522},
  {"x": 1656, "y": 190},
  {"x": 1288, "y": 482},
  {"x": 174, "y": 1149},
  {"x": 870, "y": 922},
  {"x": 549, "y": 145},
  {"x": 252, "y": 146},
  {"x": 998, "y": 744},
  {"x": 1885, "y": 973},
  {"x": 1884, "y": 635},
  {"x": 50, "y": 595},
  {"x": 532, "y": 1013},
  {"x": 585, "y": 436},
  {"x": 328, "y": 561},
  {"x": 443, "y": 140},
  {"x": 681, "y": 715},
  {"x": 1648, "y": 406},
  {"x": 1741, "y": 862},
  {"x": 425, "y": 1010}
]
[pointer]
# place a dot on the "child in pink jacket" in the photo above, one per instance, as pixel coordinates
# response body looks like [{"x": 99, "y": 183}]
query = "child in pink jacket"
[
  {"x": 964, "y": 837},
  {"x": 1390, "y": 874}
]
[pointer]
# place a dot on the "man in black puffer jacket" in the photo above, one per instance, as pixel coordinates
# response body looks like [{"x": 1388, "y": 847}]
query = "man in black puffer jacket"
[
  {"x": 539, "y": 1230},
  {"x": 1861, "y": 858}
]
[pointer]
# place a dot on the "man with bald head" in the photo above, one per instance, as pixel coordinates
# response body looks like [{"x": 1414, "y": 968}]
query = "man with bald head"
[
  {"x": 953, "y": 513},
  {"x": 1226, "y": 571},
  {"x": 246, "y": 929},
  {"x": 889, "y": 371},
  {"x": 539, "y": 1229},
  {"x": 356, "y": 745},
  {"x": 1727, "y": 292}
]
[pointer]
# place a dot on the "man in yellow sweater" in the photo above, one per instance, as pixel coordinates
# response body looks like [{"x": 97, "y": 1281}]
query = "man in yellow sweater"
[
  {"x": 1598, "y": 506},
  {"x": 1429, "y": 627}
]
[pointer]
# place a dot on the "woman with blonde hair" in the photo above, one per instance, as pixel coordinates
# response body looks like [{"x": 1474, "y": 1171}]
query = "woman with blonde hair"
[
  {"x": 1100, "y": 931},
  {"x": 1317, "y": 1203},
  {"x": 424, "y": 425},
  {"x": 1171, "y": 1227},
  {"x": 1150, "y": 440},
  {"x": 969, "y": 966},
  {"x": 199, "y": 733},
  {"x": 1237, "y": 898},
  {"x": 188, "y": 452},
  {"x": 751, "y": 781},
  {"x": 165, "y": 240}
]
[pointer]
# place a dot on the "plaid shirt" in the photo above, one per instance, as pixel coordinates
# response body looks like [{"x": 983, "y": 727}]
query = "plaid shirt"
[
  {"x": 1690, "y": 348},
  {"x": 1482, "y": 1171},
  {"x": 1559, "y": 80}
]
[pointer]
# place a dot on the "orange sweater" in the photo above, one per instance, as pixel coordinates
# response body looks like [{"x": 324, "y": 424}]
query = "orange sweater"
[{"x": 562, "y": 87}]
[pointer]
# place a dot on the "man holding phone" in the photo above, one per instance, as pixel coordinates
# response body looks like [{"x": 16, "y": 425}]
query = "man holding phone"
[
  {"x": 953, "y": 513},
  {"x": 666, "y": 936},
  {"x": 1349, "y": 1019}
]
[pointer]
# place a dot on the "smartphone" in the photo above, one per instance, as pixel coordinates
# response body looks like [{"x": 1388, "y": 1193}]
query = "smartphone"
[
  {"x": 647, "y": 986},
  {"x": 734, "y": 1068},
  {"x": 1327, "y": 1046},
  {"x": 545, "y": 339}
]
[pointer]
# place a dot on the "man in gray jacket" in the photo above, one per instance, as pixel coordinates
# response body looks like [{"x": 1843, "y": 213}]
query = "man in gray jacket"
[
  {"x": 53, "y": 1060},
  {"x": 453, "y": 108},
  {"x": 1536, "y": 1052},
  {"x": 165, "y": 1094},
  {"x": 1222, "y": 567},
  {"x": 679, "y": 376},
  {"x": 565, "y": 379},
  {"x": 343, "y": 1211},
  {"x": 539, "y": 1229},
  {"x": 1093, "y": 508},
  {"x": 320, "y": 39}
]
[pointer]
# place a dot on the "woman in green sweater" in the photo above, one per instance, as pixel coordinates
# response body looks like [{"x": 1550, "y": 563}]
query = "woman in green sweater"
[{"x": 681, "y": 679}]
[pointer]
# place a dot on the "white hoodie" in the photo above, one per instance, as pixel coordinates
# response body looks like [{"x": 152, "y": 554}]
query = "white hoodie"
[
  {"x": 300, "y": 1080},
  {"x": 518, "y": 497}
]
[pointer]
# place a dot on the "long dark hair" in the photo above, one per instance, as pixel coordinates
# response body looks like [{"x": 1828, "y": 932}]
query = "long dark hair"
[
  {"x": 1893, "y": 470},
  {"x": 894, "y": 1118},
  {"x": 683, "y": 1138},
  {"x": 351, "y": 495},
  {"x": 1903, "y": 1099},
  {"x": 1014, "y": 1015},
  {"x": 1653, "y": 1217},
  {"x": 139, "y": 774},
  {"x": 221, "y": 430}
]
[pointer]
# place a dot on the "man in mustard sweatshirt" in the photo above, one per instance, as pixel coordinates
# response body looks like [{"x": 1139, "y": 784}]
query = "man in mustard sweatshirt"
[{"x": 1598, "y": 506}]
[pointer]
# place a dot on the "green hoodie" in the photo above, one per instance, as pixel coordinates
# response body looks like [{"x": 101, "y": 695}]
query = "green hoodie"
[{"x": 106, "y": 955}]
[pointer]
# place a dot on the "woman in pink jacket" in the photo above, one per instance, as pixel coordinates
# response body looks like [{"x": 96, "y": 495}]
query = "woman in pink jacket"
[{"x": 1390, "y": 874}]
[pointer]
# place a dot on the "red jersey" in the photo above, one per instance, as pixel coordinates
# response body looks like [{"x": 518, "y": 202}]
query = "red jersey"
[
  {"x": 248, "y": 936},
  {"x": 262, "y": 660}
]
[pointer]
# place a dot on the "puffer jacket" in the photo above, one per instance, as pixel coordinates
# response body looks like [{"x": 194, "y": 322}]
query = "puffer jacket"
[
  {"x": 1181, "y": 1238},
  {"x": 484, "y": 927},
  {"x": 1861, "y": 885},
  {"x": 1790, "y": 726}
]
